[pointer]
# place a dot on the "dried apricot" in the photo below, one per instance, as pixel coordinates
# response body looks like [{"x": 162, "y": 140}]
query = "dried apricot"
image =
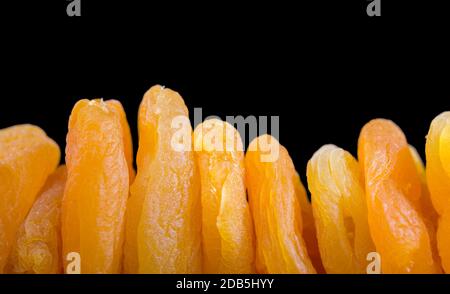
[
  {"x": 438, "y": 177},
  {"x": 95, "y": 197},
  {"x": 164, "y": 215},
  {"x": 38, "y": 242},
  {"x": 227, "y": 227},
  {"x": 27, "y": 157},
  {"x": 126, "y": 133},
  {"x": 307, "y": 225},
  {"x": 276, "y": 211},
  {"x": 339, "y": 208},
  {"x": 393, "y": 193},
  {"x": 429, "y": 214}
]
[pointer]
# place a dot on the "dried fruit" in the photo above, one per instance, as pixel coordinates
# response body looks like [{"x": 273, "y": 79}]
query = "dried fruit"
[
  {"x": 429, "y": 214},
  {"x": 307, "y": 225},
  {"x": 438, "y": 177},
  {"x": 27, "y": 157},
  {"x": 127, "y": 140},
  {"x": 96, "y": 191},
  {"x": 164, "y": 214},
  {"x": 227, "y": 227},
  {"x": 393, "y": 193},
  {"x": 37, "y": 249},
  {"x": 276, "y": 210},
  {"x": 339, "y": 207}
]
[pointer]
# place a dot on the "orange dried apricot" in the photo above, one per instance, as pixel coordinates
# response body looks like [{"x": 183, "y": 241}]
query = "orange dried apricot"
[
  {"x": 393, "y": 194},
  {"x": 95, "y": 197},
  {"x": 429, "y": 214},
  {"x": 276, "y": 211},
  {"x": 307, "y": 225},
  {"x": 163, "y": 232},
  {"x": 27, "y": 157},
  {"x": 339, "y": 208},
  {"x": 227, "y": 227},
  {"x": 438, "y": 177},
  {"x": 38, "y": 242},
  {"x": 126, "y": 133}
]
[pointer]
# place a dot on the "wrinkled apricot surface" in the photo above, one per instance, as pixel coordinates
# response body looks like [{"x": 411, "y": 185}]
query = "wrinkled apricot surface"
[
  {"x": 95, "y": 197},
  {"x": 197, "y": 204},
  {"x": 340, "y": 212},
  {"x": 164, "y": 214},
  {"x": 393, "y": 193},
  {"x": 117, "y": 107},
  {"x": 276, "y": 211},
  {"x": 27, "y": 157},
  {"x": 227, "y": 228},
  {"x": 37, "y": 249}
]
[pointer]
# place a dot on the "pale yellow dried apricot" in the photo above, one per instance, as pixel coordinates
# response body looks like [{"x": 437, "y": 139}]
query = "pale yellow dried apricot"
[{"x": 340, "y": 212}]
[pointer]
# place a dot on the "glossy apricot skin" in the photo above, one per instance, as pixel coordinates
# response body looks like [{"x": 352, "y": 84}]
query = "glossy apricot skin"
[
  {"x": 429, "y": 213},
  {"x": 308, "y": 226},
  {"x": 276, "y": 211},
  {"x": 393, "y": 193},
  {"x": 438, "y": 178},
  {"x": 339, "y": 206}
]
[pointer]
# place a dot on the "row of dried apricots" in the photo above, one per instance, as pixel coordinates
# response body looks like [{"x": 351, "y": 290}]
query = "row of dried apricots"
[{"x": 217, "y": 211}]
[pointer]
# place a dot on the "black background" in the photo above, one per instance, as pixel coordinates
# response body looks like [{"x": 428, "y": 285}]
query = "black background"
[
  {"x": 298, "y": 283},
  {"x": 324, "y": 67}
]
